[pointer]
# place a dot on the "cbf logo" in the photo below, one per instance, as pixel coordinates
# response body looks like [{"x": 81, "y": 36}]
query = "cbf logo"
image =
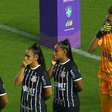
[
  {"x": 34, "y": 79},
  {"x": 68, "y": 11}
]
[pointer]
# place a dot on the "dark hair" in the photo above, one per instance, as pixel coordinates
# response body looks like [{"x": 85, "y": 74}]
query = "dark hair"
[
  {"x": 110, "y": 10},
  {"x": 65, "y": 44},
  {"x": 37, "y": 51}
]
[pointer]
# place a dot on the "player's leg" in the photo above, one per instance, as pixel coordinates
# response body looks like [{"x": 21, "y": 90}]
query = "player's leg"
[
  {"x": 104, "y": 96},
  {"x": 110, "y": 104},
  {"x": 105, "y": 104},
  {"x": 110, "y": 94}
]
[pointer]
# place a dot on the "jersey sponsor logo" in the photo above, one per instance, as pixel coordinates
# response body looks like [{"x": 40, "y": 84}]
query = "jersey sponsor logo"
[
  {"x": 30, "y": 91},
  {"x": 61, "y": 86}
]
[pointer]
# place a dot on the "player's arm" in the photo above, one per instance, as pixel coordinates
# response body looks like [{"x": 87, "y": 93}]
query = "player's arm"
[
  {"x": 51, "y": 68},
  {"x": 93, "y": 45},
  {"x": 47, "y": 92},
  {"x": 20, "y": 76},
  {"x": 79, "y": 85},
  {"x": 47, "y": 87},
  {"x": 76, "y": 76},
  {"x": 96, "y": 41},
  {"x": 3, "y": 101}
]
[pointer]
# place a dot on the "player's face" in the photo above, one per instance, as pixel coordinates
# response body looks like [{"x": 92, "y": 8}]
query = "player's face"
[
  {"x": 30, "y": 58},
  {"x": 59, "y": 53}
]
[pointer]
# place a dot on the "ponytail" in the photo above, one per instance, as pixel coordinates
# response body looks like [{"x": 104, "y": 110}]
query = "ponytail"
[
  {"x": 37, "y": 51},
  {"x": 65, "y": 44}
]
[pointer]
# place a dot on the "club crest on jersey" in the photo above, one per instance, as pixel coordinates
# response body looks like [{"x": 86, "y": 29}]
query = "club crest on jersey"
[
  {"x": 34, "y": 79},
  {"x": 63, "y": 74}
]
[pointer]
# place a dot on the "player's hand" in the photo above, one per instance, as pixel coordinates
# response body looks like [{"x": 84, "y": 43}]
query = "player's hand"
[
  {"x": 25, "y": 63},
  {"x": 53, "y": 62}
]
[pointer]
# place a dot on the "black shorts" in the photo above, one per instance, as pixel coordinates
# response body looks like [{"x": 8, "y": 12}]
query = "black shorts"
[{"x": 60, "y": 108}]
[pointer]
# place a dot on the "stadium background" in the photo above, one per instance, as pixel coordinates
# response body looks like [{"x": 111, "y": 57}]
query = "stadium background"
[{"x": 23, "y": 15}]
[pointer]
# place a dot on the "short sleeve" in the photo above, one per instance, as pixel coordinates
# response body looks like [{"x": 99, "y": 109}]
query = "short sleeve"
[
  {"x": 99, "y": 36},
  {"x": 45, "y": 80},
  {"x": 2, "y": 90},
  {"x": 75, "y": 74}
]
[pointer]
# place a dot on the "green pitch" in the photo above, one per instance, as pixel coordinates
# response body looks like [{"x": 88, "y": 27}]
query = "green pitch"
[{"x": 23, "y": 15}]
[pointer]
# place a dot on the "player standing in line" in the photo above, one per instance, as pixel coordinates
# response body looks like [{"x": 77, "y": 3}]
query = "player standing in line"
[
  {"x": 67, "y": 79},
  {"x": 36, "y": 86},
  {"x": 103, "y": 39}
]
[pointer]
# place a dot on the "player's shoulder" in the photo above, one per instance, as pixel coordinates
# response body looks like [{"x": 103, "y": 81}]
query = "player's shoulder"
[
  {"x": 40, "y": 70},
  {"x": 69, "y": 65}
]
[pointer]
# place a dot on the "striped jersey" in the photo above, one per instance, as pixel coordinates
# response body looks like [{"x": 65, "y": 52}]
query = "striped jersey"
[
  {"x": 2, "y": 89},
  {"x": 65, "y": 75},
  {"x": 32, "y": 98}
]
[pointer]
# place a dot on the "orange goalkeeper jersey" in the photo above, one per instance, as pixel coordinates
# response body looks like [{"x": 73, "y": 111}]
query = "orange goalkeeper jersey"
[{"x": 105, "y": 43}]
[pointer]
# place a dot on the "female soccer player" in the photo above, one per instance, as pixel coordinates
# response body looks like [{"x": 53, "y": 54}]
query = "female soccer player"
[
  {"x": 36, "y": 86},
  {"x": 103, "y": 39},
  {"x": 67, "y": 79}
]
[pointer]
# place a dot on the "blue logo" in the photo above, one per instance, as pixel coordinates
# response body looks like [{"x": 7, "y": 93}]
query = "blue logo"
[{"x": 68, "y": 11}]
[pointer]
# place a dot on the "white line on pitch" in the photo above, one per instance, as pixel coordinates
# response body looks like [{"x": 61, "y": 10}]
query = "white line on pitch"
[
  {"x": 15, "y": 30},
  {"x": 86, "y": 54},
  {"x": 26, "y": 34}
]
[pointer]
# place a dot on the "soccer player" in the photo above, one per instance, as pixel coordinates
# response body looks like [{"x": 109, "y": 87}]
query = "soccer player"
[
  {"x": 103, "y": 39},
  {"x": 3, "y": 96},
  {"x": 36, "y": 87},
  {"x": 67, "y": 79}
]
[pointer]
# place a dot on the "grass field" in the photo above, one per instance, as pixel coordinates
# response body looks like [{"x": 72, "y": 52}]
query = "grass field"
[{"x": 23, "y": 14}]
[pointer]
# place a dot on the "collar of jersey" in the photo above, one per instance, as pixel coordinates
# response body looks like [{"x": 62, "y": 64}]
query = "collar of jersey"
[
  {"x": 65, "y": 62},
  {"x": 35, "y": 67}
]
